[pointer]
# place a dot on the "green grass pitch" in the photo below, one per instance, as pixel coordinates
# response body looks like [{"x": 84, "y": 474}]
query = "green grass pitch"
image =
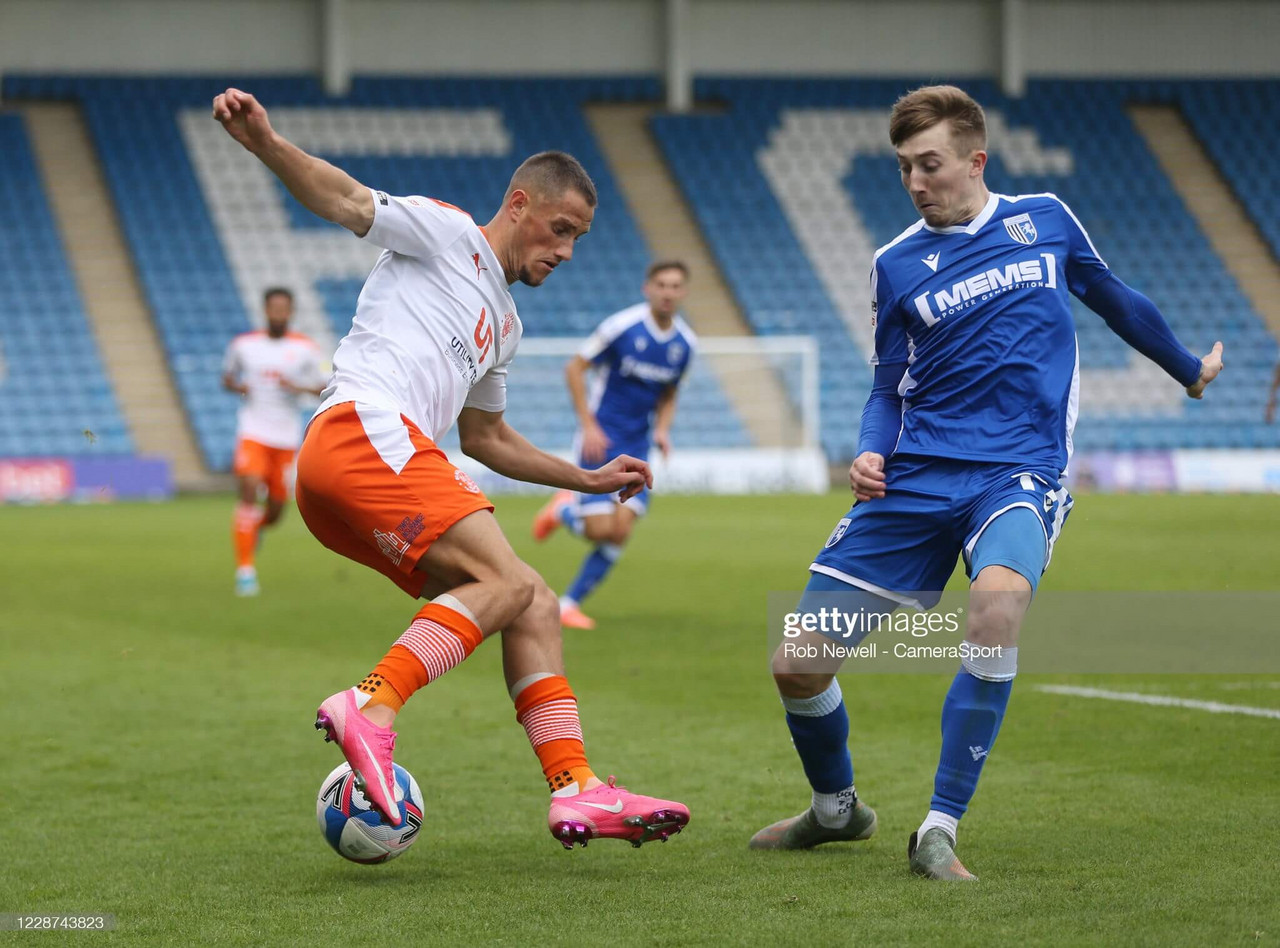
[{"x": 160, "y": 762}]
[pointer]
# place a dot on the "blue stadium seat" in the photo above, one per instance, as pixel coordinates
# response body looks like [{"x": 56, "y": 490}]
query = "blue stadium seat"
[{"x": 53, "y": 389}]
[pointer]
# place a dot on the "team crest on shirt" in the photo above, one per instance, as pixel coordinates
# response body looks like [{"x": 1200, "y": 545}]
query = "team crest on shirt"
[
  {"x": 641, "y": 343},
  {"x": 508, "y": 324},
  {"x": 463, "y": 478},
  {"x": 675, "y": 352},
  {"x": 1021, "y": 228}
]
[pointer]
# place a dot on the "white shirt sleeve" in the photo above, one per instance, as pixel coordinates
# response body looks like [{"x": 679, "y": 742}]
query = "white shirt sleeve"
[
  {"x": 231, "y": 364},
  {"x": 414, "y": 226},
  {"x": 605, "y": 335},
  {"x": 490, "y": 393}
]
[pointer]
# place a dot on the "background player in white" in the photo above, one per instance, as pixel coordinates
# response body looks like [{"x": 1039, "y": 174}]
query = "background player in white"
[
  {"x": 964, "y": 440},
  {"x": 636, "y": 359},
  {"x": 272, "y": 369},
  {"x": 434, "y": 332}
]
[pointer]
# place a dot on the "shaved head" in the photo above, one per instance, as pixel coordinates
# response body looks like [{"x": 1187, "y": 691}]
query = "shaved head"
[{"x": 549, "y": 175}]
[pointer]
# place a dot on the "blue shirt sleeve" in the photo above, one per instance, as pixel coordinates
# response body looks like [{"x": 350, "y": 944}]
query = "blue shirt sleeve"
[
  {"x": 882, "y": 414},
  {"x": 891, "y": 332},
  {"x": 1135, "y": 319},
  {"x": 1084, "y": 266}
]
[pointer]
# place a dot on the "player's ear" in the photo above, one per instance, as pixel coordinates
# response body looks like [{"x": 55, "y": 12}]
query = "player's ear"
[
  {"x": 977, "y": 163},
  {"x": 517, "y": 203}
]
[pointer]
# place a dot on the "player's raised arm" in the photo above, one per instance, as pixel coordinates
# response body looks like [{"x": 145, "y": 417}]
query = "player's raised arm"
[
  {"x": 321, "y": 188},
  {"x": 1130, "y": 315},
  {"x": 487, "y": 437}
]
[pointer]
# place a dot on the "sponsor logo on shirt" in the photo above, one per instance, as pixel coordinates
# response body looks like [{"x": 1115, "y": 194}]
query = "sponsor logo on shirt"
[
  {"x": 462, "y": 361},
  {"x": 475, "y": 258},
  {"x": 987, "y": 284},
  {"x": 647, "y": 370},
  {"x": 382, "y": 198}
]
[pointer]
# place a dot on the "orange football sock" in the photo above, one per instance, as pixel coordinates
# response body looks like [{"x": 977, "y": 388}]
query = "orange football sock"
[
  {"x": 549, "y": 712},
  {"x": 244, "y": 532},
  {"x": 439, "y": 638}
]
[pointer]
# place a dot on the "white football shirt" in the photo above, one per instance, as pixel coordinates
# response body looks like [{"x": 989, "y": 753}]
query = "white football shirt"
[
  {"x": 270, "y": 414},
  {"x": 435, "y": 326}
]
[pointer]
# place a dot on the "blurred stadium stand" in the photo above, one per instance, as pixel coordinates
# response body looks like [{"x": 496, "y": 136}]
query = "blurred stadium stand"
[
  {"x": 1096, "y": 161},
  {"x": 1111, "y": 181},
  {"x": 54, "y": 394},
  {"x": 191, "y": 289}
]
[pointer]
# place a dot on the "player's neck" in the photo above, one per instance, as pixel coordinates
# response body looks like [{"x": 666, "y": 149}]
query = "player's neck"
[
  {"x": 499, "y": 242},
  {"x": 663, "y": 322},
  {"x": 971, "y": 208}
]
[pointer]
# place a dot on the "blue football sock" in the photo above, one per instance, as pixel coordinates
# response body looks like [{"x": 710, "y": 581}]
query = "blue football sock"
[
  {"x": 971, "y": 717},
  {"x": 820, "y": 731},
  {"x": 569, "y": 517},
  {"x": 594, "y": 569}
]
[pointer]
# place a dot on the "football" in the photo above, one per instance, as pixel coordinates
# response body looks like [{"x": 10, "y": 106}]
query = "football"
[{"x": 358, "y": 832}]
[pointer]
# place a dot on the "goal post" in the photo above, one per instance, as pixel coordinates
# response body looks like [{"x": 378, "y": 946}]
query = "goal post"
[{"x": 747, "y": 417}]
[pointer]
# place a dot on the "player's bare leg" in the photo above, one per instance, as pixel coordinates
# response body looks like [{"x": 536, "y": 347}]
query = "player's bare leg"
[
  {"x": 487, "y": 587},
  {"x": 608, "y": 533},
  {"x": 972, "y": 713},
  {"x": 245, "y": 532},
  {"x": 810, "y": 695}
]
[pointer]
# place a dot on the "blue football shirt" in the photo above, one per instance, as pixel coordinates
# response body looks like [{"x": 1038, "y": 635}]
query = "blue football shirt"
[
  {"x": 637, "y": 362},
  {"x": 980, "y": 315}
]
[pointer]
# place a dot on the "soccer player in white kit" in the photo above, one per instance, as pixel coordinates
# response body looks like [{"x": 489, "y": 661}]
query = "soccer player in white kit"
[
  {"x": 434, "y": 332},
  {"x": 271, "y": 369}
]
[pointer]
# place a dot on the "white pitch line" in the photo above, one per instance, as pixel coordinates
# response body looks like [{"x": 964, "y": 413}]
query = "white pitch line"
[{"x": 1216, "y": 707}]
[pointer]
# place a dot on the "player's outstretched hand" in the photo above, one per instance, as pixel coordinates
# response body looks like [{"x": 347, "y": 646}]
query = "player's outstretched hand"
[
  {"x": 662, "y": 441},
  {"x": 866, "y": 476},
  {"x": 594, "y": 443},
  {"x": 244, "y": 118},
  {"x": 625, "y": 474},
  {"x": 1210, "y": 366}
]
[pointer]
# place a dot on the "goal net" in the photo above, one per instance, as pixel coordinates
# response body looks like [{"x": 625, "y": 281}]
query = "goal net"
[{"x": 746, "y": 419}]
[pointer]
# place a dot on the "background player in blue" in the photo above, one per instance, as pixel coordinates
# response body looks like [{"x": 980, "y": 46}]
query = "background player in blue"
[
  {"x": 973, "y": 404},
  {"x": 636, "y": 359}
]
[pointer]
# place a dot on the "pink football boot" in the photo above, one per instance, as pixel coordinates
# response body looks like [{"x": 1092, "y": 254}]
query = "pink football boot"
[
  {"x": 548, "y": 518},
  {"x": 612, "y": 812},
  {"x": 367, "y": 748}
]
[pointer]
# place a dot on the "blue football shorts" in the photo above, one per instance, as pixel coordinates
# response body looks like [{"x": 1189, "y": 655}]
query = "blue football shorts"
[
  {"x": 590, "y": 505},
  {"x": 903, "y": 546}
]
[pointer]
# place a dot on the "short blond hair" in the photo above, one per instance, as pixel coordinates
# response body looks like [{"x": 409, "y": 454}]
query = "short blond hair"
[{"x": 927, "y": 106}]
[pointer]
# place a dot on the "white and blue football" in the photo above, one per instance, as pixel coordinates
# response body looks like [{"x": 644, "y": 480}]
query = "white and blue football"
[{"x": 358, "y": 832}]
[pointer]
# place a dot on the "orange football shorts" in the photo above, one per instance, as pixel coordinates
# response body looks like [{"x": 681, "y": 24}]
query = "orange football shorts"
[
  {"x": 269, "y": 465},
  {"x": 374, "y": 488}
]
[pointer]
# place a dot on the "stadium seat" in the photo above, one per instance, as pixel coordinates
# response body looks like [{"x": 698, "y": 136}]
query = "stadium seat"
[{"x": 53, "y": 387}]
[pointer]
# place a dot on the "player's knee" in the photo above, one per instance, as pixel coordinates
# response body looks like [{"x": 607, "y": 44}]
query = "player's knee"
[
  {"x": 995, "y": 617},
  {"x": 793, "y": 684},
  {"x": 520, "y": 588},
  {"x": 273, "y": 514},
  {"x": 621, "y": 532},
  {"x": 795, "y": 675}
]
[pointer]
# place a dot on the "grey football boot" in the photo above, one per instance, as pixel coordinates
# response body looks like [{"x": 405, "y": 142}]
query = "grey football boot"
[{"x": 805, "y": 832}]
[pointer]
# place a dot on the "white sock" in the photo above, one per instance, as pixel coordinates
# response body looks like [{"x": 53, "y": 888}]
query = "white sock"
[
  {"x": 834, "y": 810},
  {"x": 943, "y": 821},
  {"x": 568, "y": 602},
  {"x": 570, "y": 789}
]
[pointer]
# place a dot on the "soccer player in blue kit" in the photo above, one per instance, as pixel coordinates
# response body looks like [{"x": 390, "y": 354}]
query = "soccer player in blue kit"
[
  {"x": 639, "y": 355},
  {"x": 964, "y": 440}
]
